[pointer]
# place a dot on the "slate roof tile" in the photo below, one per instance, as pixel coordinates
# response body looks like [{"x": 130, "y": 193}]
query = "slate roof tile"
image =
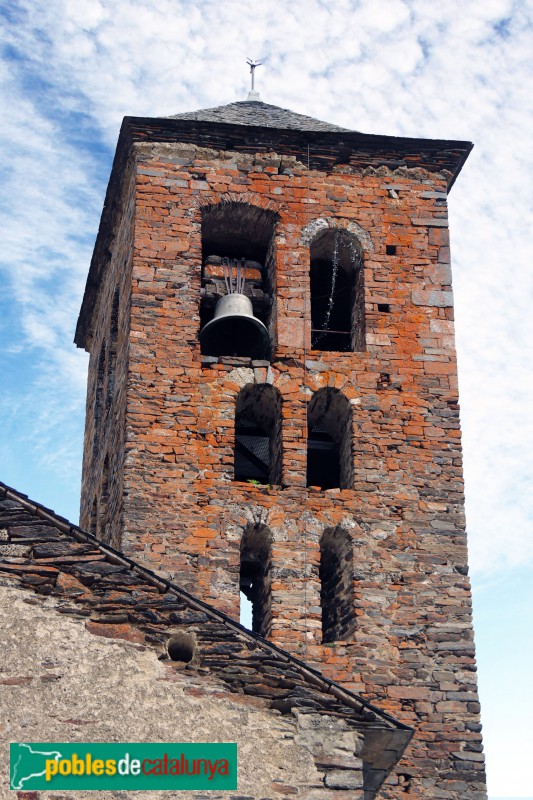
[{"x": 259, "y": 115}]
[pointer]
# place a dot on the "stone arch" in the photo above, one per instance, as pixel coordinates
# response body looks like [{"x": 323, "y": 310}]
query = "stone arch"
[
  {"x": 336, "y": 585},
  {"x": 336, "y": 278},
  {"x": 329, "y": 440},
  {"x": 321, "y": 224},
  {"x": 258, "y": 440},
  {"x": 248, "y": 198},
  {"x": 256, "y": 575}
]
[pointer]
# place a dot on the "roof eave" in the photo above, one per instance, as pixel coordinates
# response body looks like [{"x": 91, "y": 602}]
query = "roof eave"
[{"x": 170, "y": 129}]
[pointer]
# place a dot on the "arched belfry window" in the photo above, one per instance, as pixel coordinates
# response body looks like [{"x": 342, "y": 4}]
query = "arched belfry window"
[
  {"x": 329, "y": 440},
  {"x": 336, "y": 585},
  {"x": 112, "y": 354},
  {"x": 99, "y": 397},
  {"x": 258, "y": 435},
  {"x": 93, "y": 519},
  {"x": 238, "y": 280},
  {"x": 337, "y": 292},
  {"x": 255, "y": 575},
  {"x": 103, "y": 502}
]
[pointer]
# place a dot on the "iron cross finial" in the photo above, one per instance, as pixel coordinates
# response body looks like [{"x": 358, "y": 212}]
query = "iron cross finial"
[{"x": 253, "y": 65}]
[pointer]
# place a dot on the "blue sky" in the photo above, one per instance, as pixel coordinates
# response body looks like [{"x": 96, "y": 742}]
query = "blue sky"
[{"x": 71, "y": 71}]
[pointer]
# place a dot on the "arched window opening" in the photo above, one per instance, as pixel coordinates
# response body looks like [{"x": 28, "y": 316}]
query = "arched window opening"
[
  {"x": 329, "y": 440},
  {"x": 112, "y": 355},
  {"x": 337, "y": 297},
  {"x": 258, "y": 448},
  {"x": 255, "y": 575},
  {"x": 93, "y": 519},
  {"x": 99, "y": 397},
  {"x": 103, "y": 502},
  {"x": 336, "y": 585},
  {"x": 238, "y": 277}
]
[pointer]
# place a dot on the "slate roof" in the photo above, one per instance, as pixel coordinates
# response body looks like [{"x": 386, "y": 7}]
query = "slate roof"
[
  {"x": 43, "y": 552},
  {"x": 259, "y": 115}
]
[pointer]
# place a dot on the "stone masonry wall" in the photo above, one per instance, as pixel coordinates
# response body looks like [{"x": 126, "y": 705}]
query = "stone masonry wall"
[
  {"x": 183, "y": 515},
  {"x": 105, "y": 420},
  {"x": 59, "y": 682}
]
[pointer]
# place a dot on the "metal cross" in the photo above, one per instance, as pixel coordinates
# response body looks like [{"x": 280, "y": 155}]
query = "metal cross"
[{"x": 253, "y": 65}]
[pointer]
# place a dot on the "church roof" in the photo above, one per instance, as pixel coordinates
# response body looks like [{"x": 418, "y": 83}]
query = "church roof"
[
  {"x": 260, "y": 115},
  {"x": 119, "y": 599}
]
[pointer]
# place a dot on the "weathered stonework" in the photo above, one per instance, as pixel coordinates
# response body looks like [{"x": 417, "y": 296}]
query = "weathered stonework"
[
  {"x": 98, "y": 649},
  {"x": 104, "y": 445},
  {"x": 60, "y": 681},
  {"x": 168, "y": 436}
]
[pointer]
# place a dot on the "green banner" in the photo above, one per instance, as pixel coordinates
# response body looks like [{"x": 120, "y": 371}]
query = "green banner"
[{"x": 101, "y": 765}]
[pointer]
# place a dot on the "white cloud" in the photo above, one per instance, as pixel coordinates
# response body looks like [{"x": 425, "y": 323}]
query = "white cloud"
[{"x": 415, "y": 68}]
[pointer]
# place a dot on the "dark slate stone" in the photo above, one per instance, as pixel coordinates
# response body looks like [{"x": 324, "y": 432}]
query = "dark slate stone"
[
  {"x": 188, "y": 618},
  {"x": 99, "y": 567},
  {"x": 42, "y": 532},
  {"x": 62, "y": 548},
  {"x": 259, "y": 115}
]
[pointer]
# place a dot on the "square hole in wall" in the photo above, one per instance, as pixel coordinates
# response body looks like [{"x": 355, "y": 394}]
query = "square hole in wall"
[
  {"x": 390, "y": 249},
  {"x": 384, "y": 308}
]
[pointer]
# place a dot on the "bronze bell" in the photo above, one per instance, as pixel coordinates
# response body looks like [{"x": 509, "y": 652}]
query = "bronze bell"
[{"x": 234, "y": 331}]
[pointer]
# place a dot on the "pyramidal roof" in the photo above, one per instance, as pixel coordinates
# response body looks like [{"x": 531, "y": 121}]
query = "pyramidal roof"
[{"x": 258, "y": 114}]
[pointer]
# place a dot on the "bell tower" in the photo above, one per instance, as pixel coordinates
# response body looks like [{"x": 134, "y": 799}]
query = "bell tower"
[{"x": 272, "y": 402}]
